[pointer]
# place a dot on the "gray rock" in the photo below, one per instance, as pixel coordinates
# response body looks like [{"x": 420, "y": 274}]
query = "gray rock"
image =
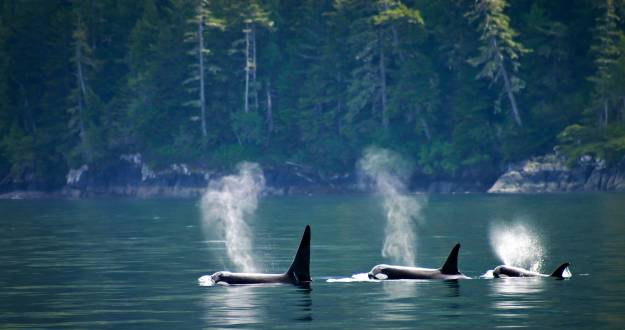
[{"x": 549, "y": 173}]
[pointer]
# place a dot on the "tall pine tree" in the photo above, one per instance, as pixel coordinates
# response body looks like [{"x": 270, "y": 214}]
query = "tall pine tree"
[{"x": 498, "y": 53}]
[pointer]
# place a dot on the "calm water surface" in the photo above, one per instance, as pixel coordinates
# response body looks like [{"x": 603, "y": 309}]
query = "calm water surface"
[{"x": 135, "y": 264}]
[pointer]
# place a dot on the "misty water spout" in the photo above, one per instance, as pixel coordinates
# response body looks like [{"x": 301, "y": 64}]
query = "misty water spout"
[
  {"x": 389, "y": 173},
  {"x": 517, "y": 245},
  {"x": 227, "y": 206}
]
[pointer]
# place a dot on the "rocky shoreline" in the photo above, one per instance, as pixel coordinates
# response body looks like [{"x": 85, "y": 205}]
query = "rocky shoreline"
[
  {"x": 549, "y": 174},
  {"x": 131, "y": 177}
]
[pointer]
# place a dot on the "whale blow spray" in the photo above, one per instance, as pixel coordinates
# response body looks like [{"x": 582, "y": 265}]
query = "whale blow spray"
[
  {"x": 389, "y": 172},
  {"x": 229, "y": 202},
  {"x": 517, "y": 245}
]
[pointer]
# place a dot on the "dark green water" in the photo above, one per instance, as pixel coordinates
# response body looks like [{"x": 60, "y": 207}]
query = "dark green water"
[{"x": 135, "y": 264}]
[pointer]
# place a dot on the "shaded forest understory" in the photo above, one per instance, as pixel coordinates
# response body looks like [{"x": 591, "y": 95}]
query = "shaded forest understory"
[{"x": 462, "y": 88}]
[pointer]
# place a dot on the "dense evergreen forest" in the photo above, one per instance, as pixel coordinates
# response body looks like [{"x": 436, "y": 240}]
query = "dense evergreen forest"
[{"x": 451, "y": 84}]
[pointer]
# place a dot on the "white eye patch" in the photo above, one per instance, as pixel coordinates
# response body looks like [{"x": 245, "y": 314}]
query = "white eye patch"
[{"x": 380, "y": 276}]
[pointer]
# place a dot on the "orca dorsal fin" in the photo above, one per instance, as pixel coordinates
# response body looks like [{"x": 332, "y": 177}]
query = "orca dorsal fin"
[
  {"x": 451, "y": 265},
  {"x": 560, "y": 270},
  {"x": 300, "y": 268}
]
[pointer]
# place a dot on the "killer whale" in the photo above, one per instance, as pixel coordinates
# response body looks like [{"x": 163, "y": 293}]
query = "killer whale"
[
  {"x": 511, "y": 271},
  {"x": 298, "y": 273},
  {"x": 449, "y": 270}
]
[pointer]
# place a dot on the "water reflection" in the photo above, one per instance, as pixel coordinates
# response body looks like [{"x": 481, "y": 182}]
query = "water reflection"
[
  {"x": 398, "y": 302},
  {"x": 251, "y": 305},
  {"x": 232, "y": 305},
  {"x": 403, "y": 299},
  {"x": 513, "y": 298},
  {"x": 454, "y": 288},
  {"x": 304, "y": 303},
  {"x": 400, "y": 289},
  {"x": 513, "y": 286}
]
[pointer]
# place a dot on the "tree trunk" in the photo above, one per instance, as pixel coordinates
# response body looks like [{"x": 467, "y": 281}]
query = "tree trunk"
[
  {"x": 269, "y": 109},
  {"x": 254, "y": 84},
  {"x": 395, "y": 37},
  {"x": 28, "y": 120},
  {"x": 200, "y": 32},
  {"x": 382, "y": 81},
  {"x": 82, "y": 90},
  {"x": 424, "y": 124},
  {"x": 92, "y": 24},
  {"x": 605, "y": 114},
  {"x": 246, "y": 106},
  {"x": 507, "y": 85},
  {"x": 339, "y": 106}
]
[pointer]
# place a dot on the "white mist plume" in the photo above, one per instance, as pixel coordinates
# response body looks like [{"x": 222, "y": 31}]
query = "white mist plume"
[
  {"x": 389, "y": 173},
  {"x": 517, "y": 245},
  {"x": 228, "y": 203}
]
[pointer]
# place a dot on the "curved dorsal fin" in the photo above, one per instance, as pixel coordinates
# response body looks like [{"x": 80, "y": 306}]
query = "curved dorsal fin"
[
  {"x": 558, "y": 272},
  {"x": 451, "y": 265},
  {"x": 300, "y": 268}
]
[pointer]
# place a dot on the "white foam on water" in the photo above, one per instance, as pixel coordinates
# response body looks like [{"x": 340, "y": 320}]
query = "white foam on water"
[
  {"x": 360, "y": 277},
  {"x": 227, "y": 206},
  {"x": 389, "y": 174},
  {"x": 488, "y": 274},
  {"x": 205, "y": 280}
]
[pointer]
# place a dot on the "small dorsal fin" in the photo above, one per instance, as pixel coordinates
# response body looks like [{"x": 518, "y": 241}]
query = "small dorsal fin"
[
  {"x": 558, "y": 272},
  {"x": 300, "y": 268},
  {"x": 451, "y": 265}
]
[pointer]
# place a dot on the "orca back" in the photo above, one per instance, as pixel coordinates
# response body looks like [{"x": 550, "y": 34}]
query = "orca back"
[
  {"x": 450, "y": 267},
  {"x": 299, "y": 271}
]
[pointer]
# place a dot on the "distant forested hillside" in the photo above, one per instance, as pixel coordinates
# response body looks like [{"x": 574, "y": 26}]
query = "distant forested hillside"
[{"x": 451, "y": 84}]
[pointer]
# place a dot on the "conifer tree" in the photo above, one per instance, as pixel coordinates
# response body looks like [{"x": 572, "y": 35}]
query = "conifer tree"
[
  {"x": 140, "y": 61},
  {"x": 253, "y": 17},
  {"x": 607, "y": 53},
  {"x": 372, "y": 39},
  {"x": 5, "y": 115},
  {"x": 250, "y": 18},
  {"x": 4, "y": 66},
  {"x": 82, "y": 97},
  {"x": 201, "y": 19},
  {"x": 498, "y": 52}
]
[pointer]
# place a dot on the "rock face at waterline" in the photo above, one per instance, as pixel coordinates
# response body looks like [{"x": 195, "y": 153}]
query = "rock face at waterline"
[
  {"x": 130, "y": 176},
  {"x": 549, "y": 173}
]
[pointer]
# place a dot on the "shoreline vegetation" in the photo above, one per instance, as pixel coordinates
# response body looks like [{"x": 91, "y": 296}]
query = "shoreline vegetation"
[{"x": 157, "y": 97}]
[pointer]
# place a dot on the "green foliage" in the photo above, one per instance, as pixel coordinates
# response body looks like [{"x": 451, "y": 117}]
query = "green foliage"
[
  {"x": 438, "y": 157},
  {"x": 227, "y": 156},
  {"x": 499, "y": 53},
  {"x": 20, "y": 148},
  {"x": 247, "y": 127},
  {"x": 607, "y": 144},
  {"x": 327, "y": 78},
  {"x": 395, "y": 10},
  {"x": 496, "y": 36}
]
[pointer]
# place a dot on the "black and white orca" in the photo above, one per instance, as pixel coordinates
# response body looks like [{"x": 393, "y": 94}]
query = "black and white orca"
[
  {"x": 449, "y": 270},
  {"x": 511, "y": 271},
  {"x": 298, "y": 273}
]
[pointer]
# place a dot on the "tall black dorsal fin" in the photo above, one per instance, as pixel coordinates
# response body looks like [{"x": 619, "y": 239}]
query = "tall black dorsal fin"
[
  {"x": 451, "y": 265},
  {"x": 558, "y": 272},
  {"x": 300, "y": 268}
]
